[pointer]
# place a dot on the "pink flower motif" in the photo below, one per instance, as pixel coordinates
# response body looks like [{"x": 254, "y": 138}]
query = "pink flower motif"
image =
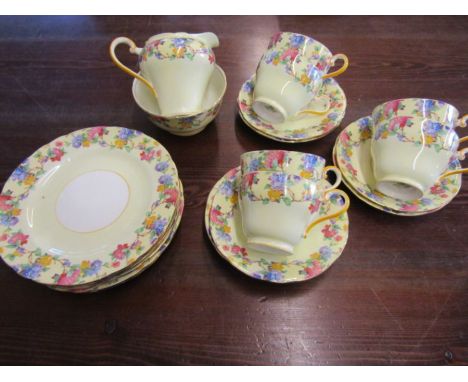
[
  {"x": 398, "y": 122},
  {"x": 290, "y": 53},
  {"x": 351, "y": 169},
  {"x": 119, "y": 253},
  {"x": 115, "y": 264},
  {"x": 59, "y": 143},
  {"x": 3, "y": 237},
  {"x": 231, "y": 173},
  {"x": 4, "y": 202},
  {"x": 98, "y": 130},
  {"x": 314, "y": 207},
  {"x": 328, "y": 232},
  {"x": 147, "y": 156},
  {"x": 214, "y": 214},
  {"x": 314, "y": 269},
  {"x": 211, "y": 58},
  {"x": 18, "y": 239},
  {"x": 275, "y": 156},
  {"x": 345, "y": 138},
  {"x": 64, "y": 279},
  {"x": 410, "y": 207},
  {"x": 437, "y": 189},
  {"x": 243, "y": 106},
  {"x": 57, "y": 155},
  {"x": 392, "y": 106},
  {"x": 171, "y": 195},
  {"x": 249, "y": 178},
  {"x": 275, "y": 39}
]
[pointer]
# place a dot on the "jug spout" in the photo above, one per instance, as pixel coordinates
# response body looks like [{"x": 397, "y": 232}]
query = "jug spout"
[{"x": 208, "y": 38}]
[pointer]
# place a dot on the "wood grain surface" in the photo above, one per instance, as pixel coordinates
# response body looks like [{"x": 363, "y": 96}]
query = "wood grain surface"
[{"x": 397, "y": 296}]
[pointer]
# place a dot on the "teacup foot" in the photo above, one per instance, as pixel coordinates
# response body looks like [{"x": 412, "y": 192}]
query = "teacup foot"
[
  {"x": 400, "y": 188},
  {"x": 271, "y": 246},
  {"x": 269, "y": 110}
]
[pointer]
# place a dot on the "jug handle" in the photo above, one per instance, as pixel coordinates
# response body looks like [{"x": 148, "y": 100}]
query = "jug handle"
[{"x": 134, "y": 50}]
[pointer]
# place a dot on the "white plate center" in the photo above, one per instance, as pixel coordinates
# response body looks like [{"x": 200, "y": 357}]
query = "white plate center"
[{"x": 92, "y": 201}]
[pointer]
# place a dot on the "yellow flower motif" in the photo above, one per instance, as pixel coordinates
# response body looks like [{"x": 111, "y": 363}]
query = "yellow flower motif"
[
  {"x": 234, "y": 198},
  {"x": 85, "y": 264},
  {"x": 30, "y": 179},
  {"x": 349, "y": 152},
  {"x": 17, "y": 254},
  {"x": 1, "y": 250},
  {"x": 277, "y": 266},
  {"x": 276, "y": 61},
  {"x": 149, "y": 221},
  {"x": 274, "y": 195},
  {"x": 227, "y": 229},
  {"x": 306, "y": 174},
  {"x": 315, "y": 256},
  {"x": 16, "y": 211},
  {"x": 429, "y": 139},
  {"x": 180, "y": 52},
  {"x": 366, "y": 134},
  {"x": 384, "y": 134},
  {"x": 305, "y": 79},
  {"x": 85, "y": 143},
  {"x": 119, "y": 143},
  {"x": 45, "y": 260},
  {"x": 130, "y": 261},
  {"x": 161, "y": 188}
]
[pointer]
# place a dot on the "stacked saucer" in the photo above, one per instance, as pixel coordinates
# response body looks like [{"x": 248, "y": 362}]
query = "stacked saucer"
[
  {"x": 292, "y": 98},
  {"x": 352, "y": 155},
  {"x": 265, "y": 239},
  {"x": 90, "y": 210}
]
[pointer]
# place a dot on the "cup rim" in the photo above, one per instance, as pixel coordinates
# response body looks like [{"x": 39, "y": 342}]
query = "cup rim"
[
  {"x": 374, "y": 110},
  {"x": 287, "y": 151},
  {"x": 176, "y": 116}
]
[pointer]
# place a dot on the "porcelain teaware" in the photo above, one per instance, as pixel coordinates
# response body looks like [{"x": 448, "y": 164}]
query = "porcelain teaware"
[
  {"x": 185, "y": 125},
  {"x": 289, "y": 76},
  {"x": 176, "y": 67},
  {"x": 413, "y": 142},
  {"x": 280, "y": 198}
]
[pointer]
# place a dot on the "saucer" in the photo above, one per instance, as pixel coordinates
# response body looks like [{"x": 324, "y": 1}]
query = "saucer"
[
  {"x": 303, "y": 129},
  {"x": 312, "y": 256},
  {"x": 351, "y": 154},
  {"x": 87, "y": 205}
]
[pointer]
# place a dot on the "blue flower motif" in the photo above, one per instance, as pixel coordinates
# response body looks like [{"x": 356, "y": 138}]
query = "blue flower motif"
[
  {"x": 429, "y": 104},
  {"x": 31, "y": 271},
  {"x": 333, "y": 116},
  {"x": 227, "y": 188},
  {"x": 364, "y": 122},
  {"x": 179, "y": 42},
  {"x": 94, "y": 268},
  {"x": 162, "y": 166},
  {"x": 159, "y": 225},
  {"x": 426, "y": 201},
  {"x": 433, "y": 128},
  {"x": 77, "y": 141},
  {"x": 125, "y": 133},
  {"x": 223, "y": 235},
  {"x": 274, "y": 276},
  {"x": 254, "y": 165},
  {"x": 248, "y": 86},
  {"x": 278, "y": 181},
  {"x": 19, "y": 174},
  {"x": 310, "y": 161},
  {"x": 165, "y": 179},
  {"x": 325, "y": 252},
  {"x": 296, "y": 40},
  {"x": 8, "y": 221}
]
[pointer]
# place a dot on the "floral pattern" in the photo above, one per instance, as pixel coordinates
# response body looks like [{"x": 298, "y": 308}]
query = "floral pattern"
[
  {"x": 321, "y": 248},
  {"x": 304, "y": 129},
  {"x": 176, "y": 48},
  {"x": 18, "y": 250},
  {"x": 353, "y": 143},
  {"x": 302, "y": 57},
  {"x": 435, "y": 118}
]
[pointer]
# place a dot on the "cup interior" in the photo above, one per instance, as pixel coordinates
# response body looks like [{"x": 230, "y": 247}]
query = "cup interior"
[{"x": 214, "y": 92}]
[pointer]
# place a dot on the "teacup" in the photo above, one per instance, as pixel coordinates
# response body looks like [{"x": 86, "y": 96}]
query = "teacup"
[
  {"x": 184, "y": 125},
  {"x": 279, "y": 207},
  {"x": 289, "y": 76},
  {"x": 413, "y": 142},
  {"x": 176, "y": 67}
]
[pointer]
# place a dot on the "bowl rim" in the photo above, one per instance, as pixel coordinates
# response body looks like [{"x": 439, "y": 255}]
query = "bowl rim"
[{"x": 176, "y": 116}]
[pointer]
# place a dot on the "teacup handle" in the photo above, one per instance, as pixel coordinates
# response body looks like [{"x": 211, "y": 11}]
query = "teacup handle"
[
  {"x": 317, "y": 112},
  {"x": 461, "y": 122},
  {"x": 337, "y": 172},
  {"x": 332, "y": 215},
  {"x": 339, "y": 56},
  {"x": 461, "y": 155},
  {"x": 134, "y": 50}
]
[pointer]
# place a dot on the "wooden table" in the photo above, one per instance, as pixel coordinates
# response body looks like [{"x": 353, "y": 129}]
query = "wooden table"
[{"x": 397, "y": 295}]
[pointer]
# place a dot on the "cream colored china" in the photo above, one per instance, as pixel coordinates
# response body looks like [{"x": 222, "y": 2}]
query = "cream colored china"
[
  {"x": 137, "y": 267},
  {"x": 352, "y": 155},
  {"x": 188, "y": 124},
  {"x": 280, "y": 197},
  {"x": 289, "y": 76},
  {"x": 413, "y": 142},
  {"x": 40, "y": 239},
  {"x": 312, "y": 256},
  {"x": 176, "y": 67},
  {"x": 308, "y": 128}
]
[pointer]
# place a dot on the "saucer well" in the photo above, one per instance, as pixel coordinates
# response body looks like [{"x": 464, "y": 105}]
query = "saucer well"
[
  {"x": 351, "y": 154},
  {"x": 87, "y": 205},
  {"x": 312, "y": 256},
  {"x": 301, "y": 129}
]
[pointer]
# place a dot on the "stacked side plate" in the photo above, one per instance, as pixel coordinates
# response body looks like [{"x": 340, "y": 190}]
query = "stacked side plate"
[{"x": 90, "y": 210}]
